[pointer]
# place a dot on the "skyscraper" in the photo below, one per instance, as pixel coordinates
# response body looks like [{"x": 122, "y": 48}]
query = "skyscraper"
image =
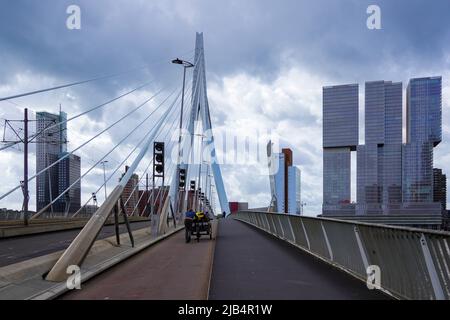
[
  {"x": 424, "y": 132},
  {"x": 285, "y": 182},
  {"x": 52, "y": 146},
  {"x": 69, "y": 173},
  {"x": 294, "y": 191},
  {"x": 379, "y": 164},
  {"x": 131, "y": 194},
  {"x": 440, "y": 188},
  {"x": 280, "y": 182},
  {"x": 340, "y": 137},
  {"x": 49, "y": 145},
  {"x": 395, "y": 181},
  {"x": 424, "y": 110}
]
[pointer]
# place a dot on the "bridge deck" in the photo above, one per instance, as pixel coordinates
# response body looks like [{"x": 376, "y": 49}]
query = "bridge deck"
[
  {"x": 250, "y": 264},
  {"x": 168, "y": 270}
]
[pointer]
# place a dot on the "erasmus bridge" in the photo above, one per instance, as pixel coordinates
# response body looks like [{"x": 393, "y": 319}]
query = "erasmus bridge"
[{"x": 119, "y": 252}]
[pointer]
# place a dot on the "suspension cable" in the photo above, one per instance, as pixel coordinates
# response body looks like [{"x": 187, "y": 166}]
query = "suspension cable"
[
  {"x": 82, "y": 145},
  {"x": 121, "y": 164},
  {"x": 98, "y": 162},
  {"x": 79, "y": 82},
  {"x": 174, "y": 122},
  {"x": 92, "y": 109}
]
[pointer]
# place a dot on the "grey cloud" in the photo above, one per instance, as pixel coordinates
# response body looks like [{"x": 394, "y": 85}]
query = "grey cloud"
[{"x": 259, "y": 38}]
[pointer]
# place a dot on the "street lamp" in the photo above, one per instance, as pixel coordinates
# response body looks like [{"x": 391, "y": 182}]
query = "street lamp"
[
  {"x": 104, "y": 175},
  {"x": 302, "y": 204},
  {"x": 186, "y": 65}
]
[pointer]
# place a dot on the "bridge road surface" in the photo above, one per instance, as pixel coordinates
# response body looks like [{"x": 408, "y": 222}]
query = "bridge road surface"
[
  {"x": 17, "y": 249},
  {"x": 170, "y": 270},
  {"x": 250, "y": 264}
]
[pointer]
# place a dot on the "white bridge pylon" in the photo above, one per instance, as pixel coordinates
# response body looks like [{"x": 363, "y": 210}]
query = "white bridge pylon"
[{"x": 200, "y": 112}]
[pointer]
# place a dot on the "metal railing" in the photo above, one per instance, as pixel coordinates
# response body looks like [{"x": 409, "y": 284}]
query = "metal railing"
[{"x": 413, "y": 263}]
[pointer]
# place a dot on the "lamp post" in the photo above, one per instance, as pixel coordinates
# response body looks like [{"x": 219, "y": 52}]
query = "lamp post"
[
  {"x": 186, "y": 65},
  {"x": 302, "y": 204}
]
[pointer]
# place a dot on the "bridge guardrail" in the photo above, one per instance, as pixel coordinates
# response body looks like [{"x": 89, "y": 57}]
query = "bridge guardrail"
[{"x": 414, "y": 263}]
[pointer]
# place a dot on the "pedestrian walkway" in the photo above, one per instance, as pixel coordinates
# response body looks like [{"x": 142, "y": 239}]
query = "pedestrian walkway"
[{"x": 250, "y": 264}]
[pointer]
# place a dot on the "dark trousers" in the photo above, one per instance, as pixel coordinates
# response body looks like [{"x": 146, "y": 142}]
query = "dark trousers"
[{"x": 188, "y": 223}]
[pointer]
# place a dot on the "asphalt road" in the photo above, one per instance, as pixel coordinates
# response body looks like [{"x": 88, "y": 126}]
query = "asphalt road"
[
  {"x": 169, "y": 270},
  {"x": 13, "y": 250},
  {"x": 249, "y": 264}
]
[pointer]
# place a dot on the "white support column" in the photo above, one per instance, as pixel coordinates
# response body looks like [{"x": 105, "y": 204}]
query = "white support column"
[
  {"x": 361, "y": 248},
  {"x": 330, "y": 252},
  {"x": 435, "y": 282},
  {"x": 281, "y": 227},
  {"x": 292, "y": 230},
  {"x": 306, "y": 234}
]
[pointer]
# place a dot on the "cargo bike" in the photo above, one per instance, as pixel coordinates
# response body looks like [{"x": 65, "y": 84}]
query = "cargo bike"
[{"x": 197, "y": 228}]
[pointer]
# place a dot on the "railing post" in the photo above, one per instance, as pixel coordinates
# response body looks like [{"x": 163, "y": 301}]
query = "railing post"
[
  {"x": 435, "y": 282},
  {"x": 361, "y": 248},
  {"x": 292, "y": 229},
  {"x": 330, "y": 252},
  {"x": 306, "y": 234},
  {"x": 281, "y": 227}
]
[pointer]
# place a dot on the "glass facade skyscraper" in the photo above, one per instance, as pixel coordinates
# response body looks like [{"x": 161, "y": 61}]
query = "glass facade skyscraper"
[
  {"x": 340, "y": 116},
  {"x": 51, "y": 145},
  {"x": 280, "y": 179},
  {"x": 379, "y": 167},
  {"x": 336, "y": 176},
  {"x": 424, "y": 110},
  {"x": 69, "y": 171},
  {"x": 393, "y": 178},
  {"x": 285, "y": 182},
  {"x": 294, "y": 191},
  {"x": 340, "y": 137},
  {"x": 424, "y": 132}
]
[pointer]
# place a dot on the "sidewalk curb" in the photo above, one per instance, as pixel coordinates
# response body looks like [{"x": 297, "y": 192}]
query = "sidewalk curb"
[{"x": 212, "y": 258}]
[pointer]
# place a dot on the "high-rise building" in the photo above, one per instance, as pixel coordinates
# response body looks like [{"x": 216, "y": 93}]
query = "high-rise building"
[
  {"x": 69, "y": 177},
  {"x": 130, "y": 194},
  {"x": 285, "y": 182},
  {"x": 424, "y": 110},
  {"x": 424, "y": 132},
  {"x": 395, "y": 181},
  {"x": 49, "y": 145},
  {"x": 294, "y": 193},
  {"x": 440, "y": 188},
  {"x": 340, "y": 138},
  {"x": 379, "y": 164},
  {"x": 340, "y": 116},
  {"x": 280, "y": 183}
]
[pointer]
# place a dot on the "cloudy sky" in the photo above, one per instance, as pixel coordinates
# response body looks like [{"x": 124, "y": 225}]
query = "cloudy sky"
[{"x": 267, "y": 61}]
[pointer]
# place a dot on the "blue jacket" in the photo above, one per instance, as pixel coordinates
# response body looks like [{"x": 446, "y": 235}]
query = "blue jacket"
[{"x": 190, "y": 214}]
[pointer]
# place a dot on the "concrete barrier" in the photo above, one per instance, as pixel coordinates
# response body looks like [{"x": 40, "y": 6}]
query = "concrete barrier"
[{"x": 17, "y": 229}]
